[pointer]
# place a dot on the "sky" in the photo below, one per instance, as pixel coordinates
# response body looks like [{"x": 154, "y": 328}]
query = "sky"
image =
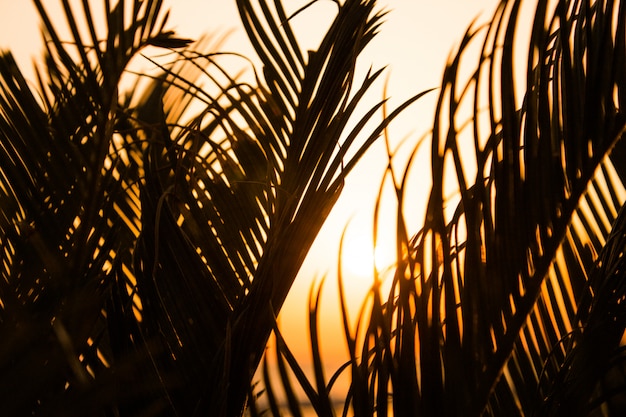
[{"x": 414, "y": 43}]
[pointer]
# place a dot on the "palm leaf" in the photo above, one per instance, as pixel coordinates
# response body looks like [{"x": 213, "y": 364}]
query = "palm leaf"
[
  {"x": 217, "y": 210},
  {"x": 69, "y": 211},
  {"x": 244, "y": 192},
  {"x": 510, "y": 300},
  {"x": 498, "y": 274}
]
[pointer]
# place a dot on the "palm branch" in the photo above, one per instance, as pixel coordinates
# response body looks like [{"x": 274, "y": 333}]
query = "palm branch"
[
  {"x": 497, "y": 305},
  {"x": 146, "y": 249},
  {"x": 510, "y": 300},
  {"x": 67, "y": 208}
]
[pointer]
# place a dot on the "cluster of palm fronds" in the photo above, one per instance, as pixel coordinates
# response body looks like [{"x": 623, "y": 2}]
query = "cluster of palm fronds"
[
  {"x": 150, "y": 237},
  {"x": 146, "y": 248},
  {"x": 511, "y": 298}
]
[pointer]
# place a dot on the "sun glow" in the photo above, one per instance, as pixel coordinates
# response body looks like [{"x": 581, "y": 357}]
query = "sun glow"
[{"x": 359, "y": 257}]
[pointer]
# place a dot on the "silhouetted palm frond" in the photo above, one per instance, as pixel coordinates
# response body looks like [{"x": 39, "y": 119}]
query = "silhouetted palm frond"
[
  {"x": 65, "y": 201},
  {"x": 495, "y": 284},
  {"x": 510, "y": 299},
  {"x": 149, "y": 238}
]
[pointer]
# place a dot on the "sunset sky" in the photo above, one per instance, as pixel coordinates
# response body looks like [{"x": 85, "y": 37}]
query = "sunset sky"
[{"x": 414, "y": 43}]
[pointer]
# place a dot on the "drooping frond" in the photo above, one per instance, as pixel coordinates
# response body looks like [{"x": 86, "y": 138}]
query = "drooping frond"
[
  {"x": 497, "y": 303},
  {"x": 241, "y": 193},
  {"x": 502, "y": 275}
]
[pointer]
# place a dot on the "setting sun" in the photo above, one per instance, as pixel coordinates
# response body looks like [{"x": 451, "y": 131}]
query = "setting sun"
[{"x": 359, "y": 257}]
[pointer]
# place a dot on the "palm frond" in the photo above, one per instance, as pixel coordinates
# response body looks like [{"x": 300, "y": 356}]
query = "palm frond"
[
  {"x": 164, "y": 240},
  {"x": 509, "y": 300},
  {"x": 70, "y": 212},
  {"x": 491, "y": 287}
]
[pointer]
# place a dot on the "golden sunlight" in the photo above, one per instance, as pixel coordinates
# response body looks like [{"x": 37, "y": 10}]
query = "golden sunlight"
[{"x": 359, "y": 257}]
